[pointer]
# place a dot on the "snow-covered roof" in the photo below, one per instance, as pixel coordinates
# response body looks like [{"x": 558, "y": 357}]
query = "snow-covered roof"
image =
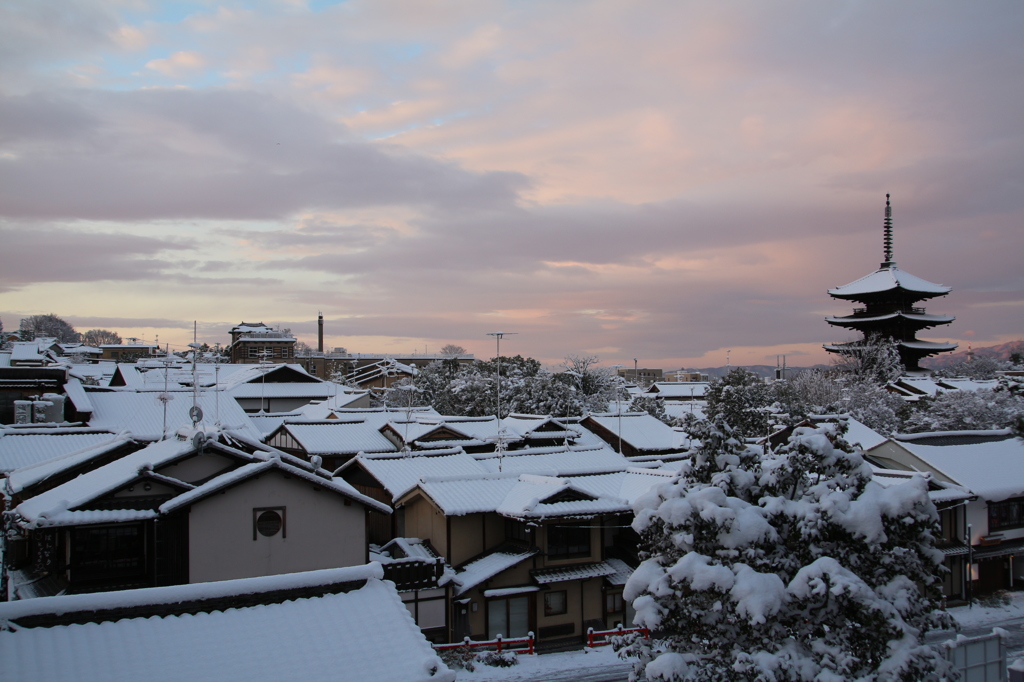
[
  {"x": 268, "y": 422},
  {"x": 490, "y": 565},
  {"x": 32, "y": 474},
  {"x": 854, "y": 320},
  {"x": 886, "y": 279},
  {"x": 338, "y": 437},
  {"x": 247, "y": 471},
  {"x": 994, "y": 471},
  {"x": 621, "y": 574},
  {"x": 334, "y": 636},
  {"x": 399, "y": 475},
  {"x": 143, "y": 413},
  {"x": 640, "y": 430},
  {"x": 858, "y": 433},
  {"x": 558, "y": 574},
  {"x": 556, "y": 462},
  {"x": 26, "y": 351},
  {"x": 281, "y": 389},
  {"x": 678, "y": 389},
  {"x": 537, "y": 497},
  {"x": 57, "y": 506},
  {"x": 20, "y": 449}
]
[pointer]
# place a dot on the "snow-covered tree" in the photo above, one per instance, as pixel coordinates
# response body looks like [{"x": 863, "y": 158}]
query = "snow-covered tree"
[
  {"x": 979, "y": 367},
  {"x": 874, "y": 358},
  {"x": 818, "y": 391},
  {"x": 743, "y": 400},
  {"x": 50, "y": 325},
  {"x": 651, "y": 406},
  {"x": 966, "y": 411},
  {"x": 793, "y": 565}
]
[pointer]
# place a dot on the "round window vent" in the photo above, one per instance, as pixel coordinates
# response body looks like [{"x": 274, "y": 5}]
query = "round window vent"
[{"x": 269, "y": 523}]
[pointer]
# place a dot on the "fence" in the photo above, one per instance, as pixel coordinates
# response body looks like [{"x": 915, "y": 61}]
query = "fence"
[
  {"x": 618, "y": 632},
  {"x": 499, "y": 642},
  {"x": 979, "y": 659}
]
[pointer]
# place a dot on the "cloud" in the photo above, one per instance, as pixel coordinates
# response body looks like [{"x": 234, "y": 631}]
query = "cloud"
[
  {"x": 178, "y": 65},
  {"x": 669, "y": 180}
]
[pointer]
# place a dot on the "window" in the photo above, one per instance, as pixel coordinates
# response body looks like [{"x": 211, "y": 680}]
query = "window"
[
  {"x": 1003, "y": 515},
  {"x": 108, "y": 552},
  {"x": 508, "y": 617},
  {"x": 555, "y": 603},
  {"x": 254, "y": 351},
  {"x": 268, "y": 522},
  {"x": 613, "y": 602},
  {"x": 566, "y": 541}
]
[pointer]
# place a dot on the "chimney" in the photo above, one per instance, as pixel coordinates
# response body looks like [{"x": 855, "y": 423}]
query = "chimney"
[{"x": 320, "y": 333}]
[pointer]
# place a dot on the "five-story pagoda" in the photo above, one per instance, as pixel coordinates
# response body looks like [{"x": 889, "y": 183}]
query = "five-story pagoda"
[{"x": 888, "y": 296}]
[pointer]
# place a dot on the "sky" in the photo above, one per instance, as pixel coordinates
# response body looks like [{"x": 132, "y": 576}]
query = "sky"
[{"x": 675, "y": 182}]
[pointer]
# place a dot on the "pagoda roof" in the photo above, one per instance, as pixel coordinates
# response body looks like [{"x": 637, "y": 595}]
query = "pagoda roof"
[
  {"x": 856, "y": 320},
  {"x": 888, "y": 278},
  {"x": 928, "y": 346}
]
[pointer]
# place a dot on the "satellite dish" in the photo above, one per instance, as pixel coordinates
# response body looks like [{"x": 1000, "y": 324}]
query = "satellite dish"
[
  {"x": 199, "y": 439},
  {"x": 195, "y": 413}
]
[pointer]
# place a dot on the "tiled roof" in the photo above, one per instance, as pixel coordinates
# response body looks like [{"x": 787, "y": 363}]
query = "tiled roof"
[
  {"x": 30, "y": 475},
  {"x": 490, "y": 565},
  {"x": 599, "y": 569},
  {"x": 143, "y": 414},
  {"x": 398, "y": 475},
  {"x": 334, "y": 636},
  {"x": 640, "y": 430},
  {"x": 333, "y": 437},
  {"x": 621, "y": 574},
  {"x": 22, "y": 450}
]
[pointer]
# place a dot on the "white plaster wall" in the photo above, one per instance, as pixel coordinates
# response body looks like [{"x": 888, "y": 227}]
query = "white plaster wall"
[{"x": 320, "y": 531}]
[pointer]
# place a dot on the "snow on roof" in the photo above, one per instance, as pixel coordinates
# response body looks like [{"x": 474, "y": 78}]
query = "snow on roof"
[
  {"x": 621, "y": 574},
  {"x": 678, "y": 389},
  {"x": 322, "y": 409},
  {"x": 560, "y": 574},
  {"x": 561, "y": 462},
  {"x": 490, "y": 565},
  {"x": 994, "y": 471},
  {"x": 43, "y": 509},
  {"x": 628, "y": 485},
  {"x": 79, "y": 398},
  {"x": 858, "y": 433},
  {"x": 467, "y": 493},
  {"x": 335, "y": 636},
  {"x": 5, "y": 358},
  {"x": 254, "y": 469},
  {"x": 886, "y": 279},
  {"x": 399, "y": 475},
  {"x": 19, "y": 450},
  {"x": 640, "y": 430},
  {"x": 32, "y": 474},
  {"x": 854, "y": 320},
  {"x": 338, "y": 437},
  {"x": 143, "y": 413},
  {"x": 266, "y": 423},
  {"x": 404, "y": 550},
  {"x": 284, "y": 389},
  {"x": 26, "y": 351},
  {"x": 965, "y": 384}
]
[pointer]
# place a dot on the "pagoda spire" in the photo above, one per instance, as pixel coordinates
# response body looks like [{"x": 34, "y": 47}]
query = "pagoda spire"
[{"x": 887, "y": 239}]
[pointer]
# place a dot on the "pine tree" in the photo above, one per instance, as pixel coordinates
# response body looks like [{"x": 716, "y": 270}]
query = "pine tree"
[{"x": 793, "y": 565}]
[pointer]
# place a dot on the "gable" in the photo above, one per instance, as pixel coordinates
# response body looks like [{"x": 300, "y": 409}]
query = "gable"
[
  {"x": 568, "y": 495},
  {"x": 285, "y": 374}
]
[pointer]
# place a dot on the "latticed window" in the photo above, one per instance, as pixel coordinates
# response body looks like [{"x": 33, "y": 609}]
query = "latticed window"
[
  {"x": 1006, "y": 514},
  {"x": 568, "y": 540}
]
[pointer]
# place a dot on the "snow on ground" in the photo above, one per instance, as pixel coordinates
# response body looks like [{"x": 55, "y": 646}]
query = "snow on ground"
[
  {"x": 990, "y": 610},
  {"x": 547, "y": 666}
]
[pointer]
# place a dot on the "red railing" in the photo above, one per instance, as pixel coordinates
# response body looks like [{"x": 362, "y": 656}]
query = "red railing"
[
  {"x": 500, "y": 642},
  {"x": 592, "y": 633}
]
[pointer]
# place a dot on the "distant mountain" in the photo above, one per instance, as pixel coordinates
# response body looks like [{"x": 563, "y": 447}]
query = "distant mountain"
[
  {"x": 1000, "y": 352},
  {"x": 763, "y": 371}
]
